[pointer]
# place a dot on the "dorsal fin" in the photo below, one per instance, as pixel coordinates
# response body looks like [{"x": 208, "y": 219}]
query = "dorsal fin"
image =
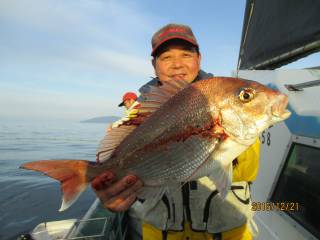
[
  {"x": 153, "y": 100},
  {"x": 111, "y": 140},
  {"x": 159, "y": 95}
]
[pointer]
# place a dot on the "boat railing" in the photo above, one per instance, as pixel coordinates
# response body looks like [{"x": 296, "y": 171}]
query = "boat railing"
[{"x": 97, "y": 224}]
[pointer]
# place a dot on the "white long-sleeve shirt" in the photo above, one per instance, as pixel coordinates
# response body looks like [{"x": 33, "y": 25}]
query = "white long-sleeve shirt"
[{"x": 129, "y": 112}]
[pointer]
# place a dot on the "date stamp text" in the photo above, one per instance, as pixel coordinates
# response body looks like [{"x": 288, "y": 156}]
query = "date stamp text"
[{"x": 270, "y": 206}]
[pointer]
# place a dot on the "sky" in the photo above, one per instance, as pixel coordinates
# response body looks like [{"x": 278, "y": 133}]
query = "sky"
[{"x": 73, "y": 60}]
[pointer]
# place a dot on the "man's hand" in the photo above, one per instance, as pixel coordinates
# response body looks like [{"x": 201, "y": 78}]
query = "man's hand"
[
  {"x": 109, "y": 128},
  {"x": 116, "y": 194}
]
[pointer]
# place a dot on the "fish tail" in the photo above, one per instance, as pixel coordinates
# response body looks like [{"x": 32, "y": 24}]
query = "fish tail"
[{"x": 72, "y": 174}]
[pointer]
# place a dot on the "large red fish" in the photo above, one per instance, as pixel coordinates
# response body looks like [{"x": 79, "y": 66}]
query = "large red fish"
[{"x": 182, "y": 132}]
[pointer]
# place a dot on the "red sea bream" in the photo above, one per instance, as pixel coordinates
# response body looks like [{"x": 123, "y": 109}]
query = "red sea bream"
[{"x": 182, "y": 132}]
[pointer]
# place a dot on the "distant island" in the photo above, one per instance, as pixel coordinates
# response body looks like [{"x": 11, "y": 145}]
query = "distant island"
[{"x": 105, "y": 119}]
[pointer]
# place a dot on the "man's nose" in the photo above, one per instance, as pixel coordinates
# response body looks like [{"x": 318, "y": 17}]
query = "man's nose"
[{"x": 176, "y": 63}]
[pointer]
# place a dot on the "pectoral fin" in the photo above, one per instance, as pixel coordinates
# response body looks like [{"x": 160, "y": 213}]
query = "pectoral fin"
[{"x": 221, "y": 175}]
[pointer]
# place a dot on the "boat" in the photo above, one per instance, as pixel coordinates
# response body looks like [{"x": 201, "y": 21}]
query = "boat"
[
  {"x": 98, "y": 223},
  {"x": 286, "y": 193}
]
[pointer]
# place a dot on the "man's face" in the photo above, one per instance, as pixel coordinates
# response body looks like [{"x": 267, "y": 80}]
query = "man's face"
[
  {"x": 128, "y": 103},
  {"x": 177, "y": 62}
]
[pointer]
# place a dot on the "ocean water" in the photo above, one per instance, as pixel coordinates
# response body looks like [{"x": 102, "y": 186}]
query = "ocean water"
[{"x": 28, "y": 198}]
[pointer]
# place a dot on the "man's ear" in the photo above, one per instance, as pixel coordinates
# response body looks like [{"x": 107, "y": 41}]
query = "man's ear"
[
  {"x": 199, "y": 59},
  {"x": 153, "y": 61},
  {"x": 154, "y": 66}
]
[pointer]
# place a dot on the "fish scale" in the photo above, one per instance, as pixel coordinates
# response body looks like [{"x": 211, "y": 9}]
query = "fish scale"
[
  {"x": 179, "y": 162},
  {"x": 153, "y": 155}
]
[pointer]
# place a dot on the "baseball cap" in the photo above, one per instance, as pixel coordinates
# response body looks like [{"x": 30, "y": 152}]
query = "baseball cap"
[
  {"x": 172, "y": 31},
  {"x": 128, "y": 96}
]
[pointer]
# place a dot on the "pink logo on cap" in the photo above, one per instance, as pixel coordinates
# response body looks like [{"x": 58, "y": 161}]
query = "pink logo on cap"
[{"x": 172, "y": 30}]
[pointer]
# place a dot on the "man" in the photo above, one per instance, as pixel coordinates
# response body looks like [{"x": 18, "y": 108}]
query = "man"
[
  {"x": 129, "y": 101},
  {"x": 195, "y": 212}
]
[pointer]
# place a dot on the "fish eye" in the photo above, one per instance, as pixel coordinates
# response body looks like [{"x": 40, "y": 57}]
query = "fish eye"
[{"x": 247, "y": 94}]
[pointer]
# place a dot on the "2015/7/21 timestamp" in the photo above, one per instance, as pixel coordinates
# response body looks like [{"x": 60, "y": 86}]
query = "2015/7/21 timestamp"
[{"x": 270, "y": 206}]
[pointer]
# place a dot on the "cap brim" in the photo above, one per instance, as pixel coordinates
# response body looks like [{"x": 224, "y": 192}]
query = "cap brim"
[
  {"x": 171, "y": 38},
  {"x": 121, "y": 104}
]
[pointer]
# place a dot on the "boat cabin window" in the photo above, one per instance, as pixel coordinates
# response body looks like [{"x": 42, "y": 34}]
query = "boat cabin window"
[{"x": 299, "y": 187}]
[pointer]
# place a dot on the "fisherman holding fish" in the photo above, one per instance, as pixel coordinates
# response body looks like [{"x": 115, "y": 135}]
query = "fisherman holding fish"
[
  {"x": 195, "y": 210},
  {"x": 185, "y": 160}
]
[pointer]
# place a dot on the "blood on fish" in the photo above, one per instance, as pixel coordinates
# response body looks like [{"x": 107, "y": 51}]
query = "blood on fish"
[{"x": 211, "y": 130}]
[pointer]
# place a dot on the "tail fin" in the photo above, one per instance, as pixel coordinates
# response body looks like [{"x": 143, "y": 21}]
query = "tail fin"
[{"x": 72, "y": 174}]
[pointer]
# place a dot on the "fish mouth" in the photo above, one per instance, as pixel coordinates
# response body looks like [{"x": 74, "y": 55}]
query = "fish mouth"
[
  {"x": 279, "y": 109},
  {"x": 283, "y": 116}
]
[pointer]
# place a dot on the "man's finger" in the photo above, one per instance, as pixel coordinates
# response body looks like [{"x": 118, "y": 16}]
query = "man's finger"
[
  {"x": 119, "y": 186},
  {"x": 124, "y": 205},
  {"x": 121, "y": 197},
  {"x": 103, "y": 180}
]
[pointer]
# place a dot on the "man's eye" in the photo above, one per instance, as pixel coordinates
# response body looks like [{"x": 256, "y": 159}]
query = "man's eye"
[{"x": 165, "y": 57}]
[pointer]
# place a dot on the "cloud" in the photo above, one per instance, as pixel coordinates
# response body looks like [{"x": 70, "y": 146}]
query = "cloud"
[
  {"x": 65, "y": 58},
  {"x": 86, "y": 35},
  {"x": 103, "y": 19}
]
